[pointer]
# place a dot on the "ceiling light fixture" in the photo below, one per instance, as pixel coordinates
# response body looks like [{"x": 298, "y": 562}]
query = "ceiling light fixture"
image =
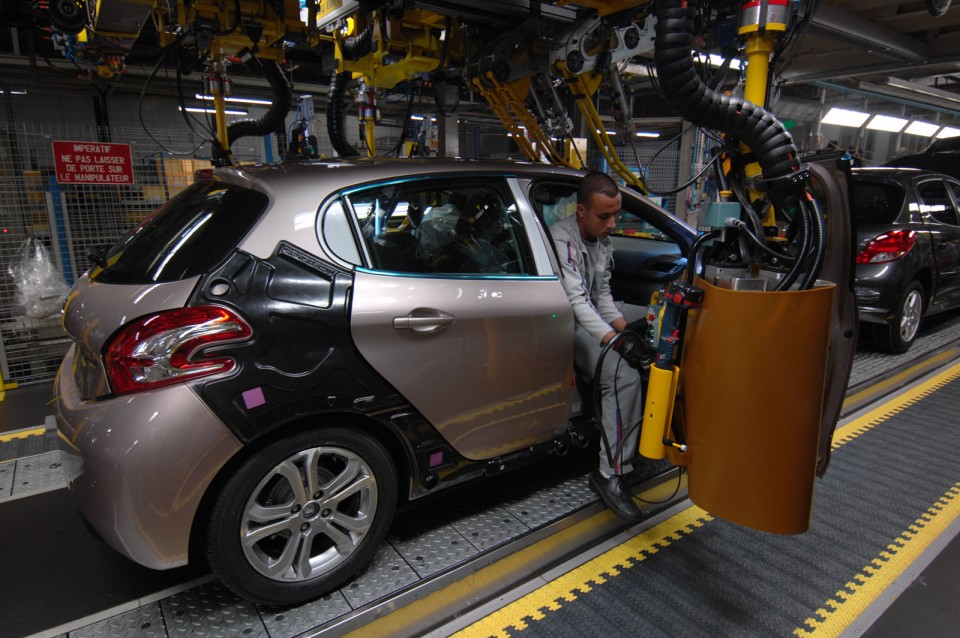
[
  {"x": 887, "y": 123},
  {"x": 948, "y": 131},
  {"x": 922, "y": 129},
  {"x": 717, "y": 60},
  {"x": 197, "y": 109},
  {"x": 14, "y": 91},
  {"x": 845, "y": 117},
  {"x": 652, "y": 134},
  {"x": 237, "y": 100}
]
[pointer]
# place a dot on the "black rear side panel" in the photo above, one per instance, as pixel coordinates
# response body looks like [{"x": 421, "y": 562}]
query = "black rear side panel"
[{"x": 301, "y": 360}]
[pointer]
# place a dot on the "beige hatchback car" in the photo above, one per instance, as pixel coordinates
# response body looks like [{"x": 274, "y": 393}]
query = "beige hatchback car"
[{"x": 272, "y": 361}]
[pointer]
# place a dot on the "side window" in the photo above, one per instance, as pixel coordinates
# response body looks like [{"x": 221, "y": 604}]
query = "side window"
[
  {"x": 448, "y": 226},
  {"x": 955, "y": 189},
  {"x": 339, "y": 235},
  {"x": 935, "y": 202},
  {"x": 555, "y": 201}
]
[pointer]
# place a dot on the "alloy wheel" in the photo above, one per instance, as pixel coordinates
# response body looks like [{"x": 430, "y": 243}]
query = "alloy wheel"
[{"x": 309, "y": 514}]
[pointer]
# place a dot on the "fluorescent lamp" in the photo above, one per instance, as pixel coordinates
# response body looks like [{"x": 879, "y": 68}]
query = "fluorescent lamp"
[
  {"x": 886, "y": 123},
  {"x": 416, "y": 118},
  {"x": 238, "y": 100},
  {"x": 14, "y": 91},
  {"x": 845, "y": 117},
  {"x": 610, "y": 132},
  {"x": 948, "y": 131},
  {"x": 923, "y": 129},
  {"x": 717, "y": 60},
  {"x": 197, "y": 109},
  {"x": 652, "y": 134}
]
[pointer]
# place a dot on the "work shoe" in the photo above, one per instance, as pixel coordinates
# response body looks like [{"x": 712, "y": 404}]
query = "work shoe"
[{"x": 616, "y": 495}]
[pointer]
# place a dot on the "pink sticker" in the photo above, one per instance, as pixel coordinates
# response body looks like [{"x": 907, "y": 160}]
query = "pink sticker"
[
  {"x": 253, "y": 398},
  {"x": 436, "y": 459}
]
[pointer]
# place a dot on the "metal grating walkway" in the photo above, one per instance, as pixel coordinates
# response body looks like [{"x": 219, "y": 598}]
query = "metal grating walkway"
[{"x": 893, "y": 487}]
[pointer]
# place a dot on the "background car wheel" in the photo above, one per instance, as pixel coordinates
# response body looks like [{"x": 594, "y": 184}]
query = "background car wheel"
[
  {"x": 301, "y": 516},
  {"x": 898, "y": 336}
]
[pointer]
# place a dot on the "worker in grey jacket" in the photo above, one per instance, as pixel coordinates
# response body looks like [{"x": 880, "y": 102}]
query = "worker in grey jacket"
[{"x": 586, "y": 259}]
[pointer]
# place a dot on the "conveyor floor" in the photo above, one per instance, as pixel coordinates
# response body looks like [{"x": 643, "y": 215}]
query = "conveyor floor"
[
  {"x": 892, "y": 490},
  {"x": 58, "y": 580}
]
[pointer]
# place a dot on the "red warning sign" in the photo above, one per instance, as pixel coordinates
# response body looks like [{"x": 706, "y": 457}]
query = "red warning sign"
[{"x": 92, "y": 163}]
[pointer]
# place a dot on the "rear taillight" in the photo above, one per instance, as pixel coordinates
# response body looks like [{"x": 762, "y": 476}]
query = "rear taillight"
[
  {"x": 887, "y": 247},
  {"x": 165, "y": 348}
]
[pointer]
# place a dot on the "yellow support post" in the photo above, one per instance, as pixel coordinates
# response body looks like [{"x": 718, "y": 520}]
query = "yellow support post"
[
  {"x": 217, "y": 87},
  {"x": 760, "y": 32}
]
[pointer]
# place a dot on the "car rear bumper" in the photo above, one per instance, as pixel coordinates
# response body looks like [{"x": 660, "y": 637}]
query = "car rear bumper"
[
  {"x": 878, "y": 288},
  {"x": 139, "y": 465}
]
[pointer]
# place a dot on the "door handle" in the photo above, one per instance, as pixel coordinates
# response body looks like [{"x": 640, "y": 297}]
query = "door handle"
[{"x": 424, "y": 320}]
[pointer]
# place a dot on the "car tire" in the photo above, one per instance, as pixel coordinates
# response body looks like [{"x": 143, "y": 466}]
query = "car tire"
[
  {"x": 897, "y": 336},
  {"x": 301, "y": 516}
]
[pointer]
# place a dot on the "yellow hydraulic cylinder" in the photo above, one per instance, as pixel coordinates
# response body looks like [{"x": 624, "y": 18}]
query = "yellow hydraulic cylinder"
[
  {"x": 369, "y": 128},
  {"x": 219, "y": 104},
  {"x": 658, "y": 411}
]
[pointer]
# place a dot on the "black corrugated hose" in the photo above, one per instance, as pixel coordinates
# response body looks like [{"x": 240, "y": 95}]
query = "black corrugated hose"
[
  {"x": 338, "y": 138},
  {"x": 278, "y": 110},
  {"x": 353, "y": 48},
  {"x": 759, "y": 129},
  {"x": 698, "y": 103}
]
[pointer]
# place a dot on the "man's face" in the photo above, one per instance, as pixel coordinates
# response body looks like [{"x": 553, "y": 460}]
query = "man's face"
[{"x": 597, "y": 218}]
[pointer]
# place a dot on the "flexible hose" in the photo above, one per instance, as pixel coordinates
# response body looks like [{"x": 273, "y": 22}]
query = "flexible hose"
[
  {"x": 338, "y": 137},
  {"x": 617, "y": 453},
  {"x": 693, "y": 256},
  {"x": 276, "y": 114},
  {"x": 695, "y": 101},
  {"x": 357, "y": 46},
  {"x": 820, "y": 241},
  {"x": 803, "y": 221},
  {"x": 354, "y": 47}
]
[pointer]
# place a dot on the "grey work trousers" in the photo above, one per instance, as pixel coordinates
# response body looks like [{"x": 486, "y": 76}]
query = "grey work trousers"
[{"x": 621, "y": 401}]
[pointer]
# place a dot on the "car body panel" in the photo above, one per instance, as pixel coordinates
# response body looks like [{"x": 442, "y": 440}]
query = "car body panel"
[
  {"x": 138, "y": 466},
  {"x": 502, "y": 365},
  {"x": 945, "y": 242},
  {"x": 934, "y": 260}
]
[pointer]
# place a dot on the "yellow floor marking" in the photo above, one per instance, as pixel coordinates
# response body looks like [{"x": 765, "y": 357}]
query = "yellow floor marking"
[
  {"x": 22, "y": 434},
  {"x": 554, "y": 594},
  {"x": 834, "y": 617},
  {"x": 899, "y": 378},
  {"x": 834, "y": 612},
  {"x": 875, "y": 417}
]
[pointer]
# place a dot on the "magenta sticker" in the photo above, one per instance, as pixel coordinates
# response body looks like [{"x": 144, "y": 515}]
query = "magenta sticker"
[
  {"x": 253, "y": 398},
  {"x": 436, "y": 459}
]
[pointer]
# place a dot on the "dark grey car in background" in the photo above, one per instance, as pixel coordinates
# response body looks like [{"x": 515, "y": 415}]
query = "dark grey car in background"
[
  {"x": 265, "y": 367},
  {"x": 908, "y": 242}
]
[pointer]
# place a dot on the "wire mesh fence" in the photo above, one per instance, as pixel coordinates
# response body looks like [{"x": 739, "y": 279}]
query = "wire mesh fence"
[{"x": 44, "y": 219}]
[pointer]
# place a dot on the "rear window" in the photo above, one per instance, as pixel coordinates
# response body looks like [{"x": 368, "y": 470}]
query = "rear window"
[
  {"x": 185, "y": 237},
  {"x": 876, "y": 202}
]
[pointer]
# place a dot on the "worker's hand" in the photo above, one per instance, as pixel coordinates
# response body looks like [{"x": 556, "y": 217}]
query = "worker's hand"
[
  {"x": 632, "y": 350},
  {"x": 639, "y": 326}
]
